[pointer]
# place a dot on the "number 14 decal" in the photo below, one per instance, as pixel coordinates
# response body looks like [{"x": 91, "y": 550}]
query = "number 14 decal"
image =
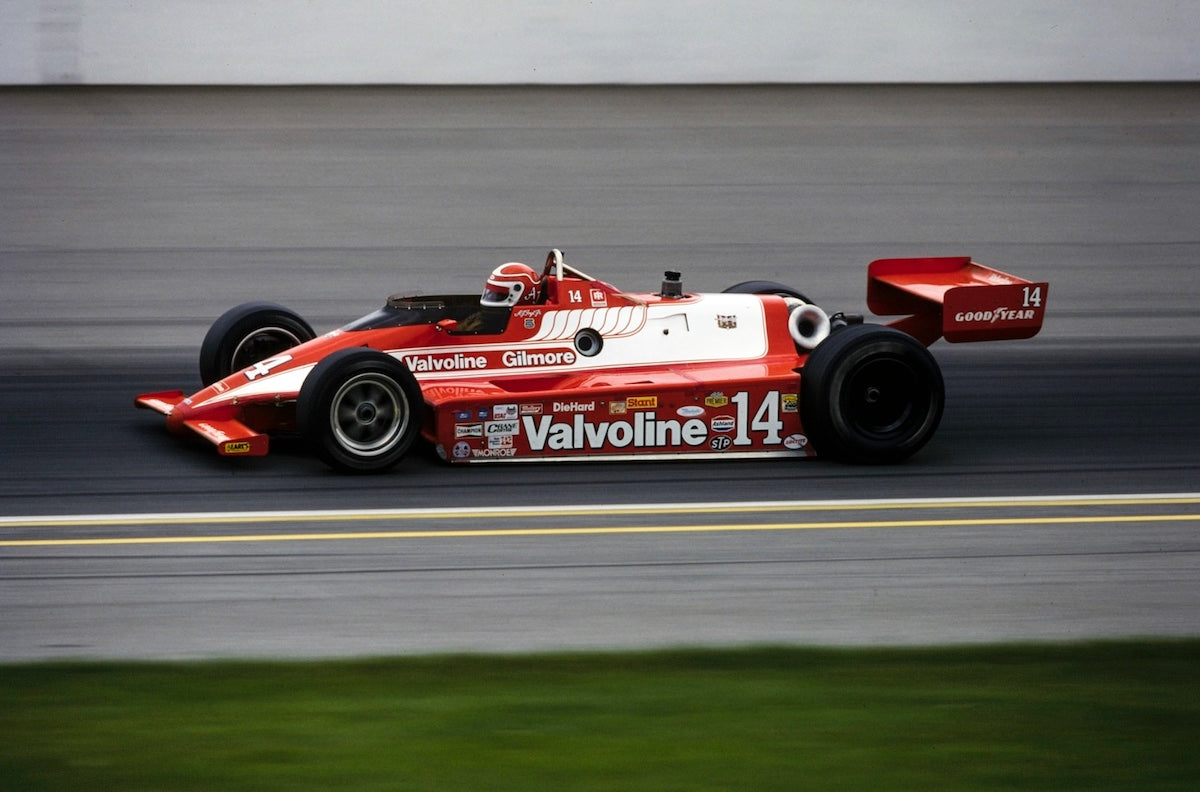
[
  {"x": 766, "y": 419},
  {"x": 1033, "y": 297}
]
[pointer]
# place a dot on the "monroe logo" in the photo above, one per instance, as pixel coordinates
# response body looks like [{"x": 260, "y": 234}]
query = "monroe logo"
[
  {"x": 551, "y": 357},
  {"x": 456, "y": 362},
  {"x": 997, "y": 315},
  {"x": 644, "y": 431}
]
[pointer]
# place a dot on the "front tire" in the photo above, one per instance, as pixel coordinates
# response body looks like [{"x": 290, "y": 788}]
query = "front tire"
[
  {"x": 360, "y": 410},
  {"x": 246, "y": 334},
  {"x": 870, "y": 395}
]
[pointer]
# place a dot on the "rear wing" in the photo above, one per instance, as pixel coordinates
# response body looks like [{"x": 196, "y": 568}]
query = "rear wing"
[{"x": 955, "y": 298}]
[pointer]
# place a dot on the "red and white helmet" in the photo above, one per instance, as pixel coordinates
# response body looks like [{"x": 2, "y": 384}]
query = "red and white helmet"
[{"x": 510, "y": 284}]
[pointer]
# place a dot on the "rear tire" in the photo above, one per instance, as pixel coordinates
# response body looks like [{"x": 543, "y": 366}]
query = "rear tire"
[
  {"x": 766, "y": 287},
  {"x": 870, "y": 395},
  {"x": 246, "y": 334},
  {"x": 360, "y": 410}
]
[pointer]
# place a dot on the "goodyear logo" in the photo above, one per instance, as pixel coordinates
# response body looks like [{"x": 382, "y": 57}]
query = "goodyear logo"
[{"x": 237, "y": 447}]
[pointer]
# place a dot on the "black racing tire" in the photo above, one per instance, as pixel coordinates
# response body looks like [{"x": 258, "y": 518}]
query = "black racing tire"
[
  {"x": 870, "y": 395},
  {"x": 360, "y": 410},
  {"x": 247, "y": 334},
  {"x": 766, "y": 287}
]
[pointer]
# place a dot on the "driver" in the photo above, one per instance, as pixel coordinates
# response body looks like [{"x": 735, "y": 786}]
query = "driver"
[{"x": 511, "y": 284}]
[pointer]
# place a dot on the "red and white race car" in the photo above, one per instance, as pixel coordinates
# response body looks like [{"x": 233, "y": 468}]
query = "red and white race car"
[{"x": 559, "y": 365}]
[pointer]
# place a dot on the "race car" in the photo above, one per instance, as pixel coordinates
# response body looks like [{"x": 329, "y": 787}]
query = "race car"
[{"x": 559, "y": 365}]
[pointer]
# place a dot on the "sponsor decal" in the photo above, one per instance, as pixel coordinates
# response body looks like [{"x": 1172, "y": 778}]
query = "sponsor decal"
[
  {"x": 617, "y": 408},
  {"x": 450, "y": 362},
  {"x": 599, "y": 298},
  {"x": 790, "y": 403},
  {"x": 716, "y": 399},
  {"x": 690, "y": 411},
  {"x": 509, "y": 427},
  {"x": 455, "y": 361},
  {"x": 530, "y": 409},
  {"x": 482, "y": 413},
  {"x": 646, "y": 430},
  {"x": 726, "y": 321},
  {"x": 238, "y": 447},
  {"x": 504, "y": 412},
  {"x": 468, "y": 430},
  {"x": 550, "y": 357},
  {"x": 795, "y": 442},
  {"x": 720, "y": 443},
  {"x": 462, "y": 415},
  {"x": 573, "y": 406},
  {"x": 212, "y": 432},
  {"x": 527, "y": 313},
  {"x": 500, "y": 441},
  {"x": 723, "y": 423},
  {"x": 529, "y": 324},
  {"x": 995, "y": 315},
  {"x": 462, "y": 450},
  {"x": 641, "y": 402},
  {"x": 493, "y": 453}
]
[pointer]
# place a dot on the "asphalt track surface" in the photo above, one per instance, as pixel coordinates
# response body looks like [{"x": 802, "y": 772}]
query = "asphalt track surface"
[{"x": 130, "y": 218}]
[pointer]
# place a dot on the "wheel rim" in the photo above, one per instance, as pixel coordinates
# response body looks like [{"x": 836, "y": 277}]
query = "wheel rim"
[
  {"x": 368, "y": 414},
  {"x": 883, "y": 397},
  {"x": 260, "y": 345}
]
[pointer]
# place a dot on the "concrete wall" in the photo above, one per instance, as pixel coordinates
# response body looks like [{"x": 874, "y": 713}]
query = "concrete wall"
[{"x": 600, "y": 41}]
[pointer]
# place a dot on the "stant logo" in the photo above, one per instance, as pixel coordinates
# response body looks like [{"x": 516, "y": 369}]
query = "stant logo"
[
  {"x": 641, "y": 402},
  {"x": 239, "y": 447}
]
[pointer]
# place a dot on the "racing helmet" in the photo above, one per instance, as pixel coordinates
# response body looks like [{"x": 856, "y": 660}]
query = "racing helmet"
[{"x": 510, "y": 284}]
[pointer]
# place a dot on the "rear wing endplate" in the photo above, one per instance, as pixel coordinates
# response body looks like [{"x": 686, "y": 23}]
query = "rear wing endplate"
[{"x": 956, "y": 298}]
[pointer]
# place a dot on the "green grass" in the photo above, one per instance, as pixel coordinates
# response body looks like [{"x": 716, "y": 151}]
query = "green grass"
[{"x": 1105, "y": 716}]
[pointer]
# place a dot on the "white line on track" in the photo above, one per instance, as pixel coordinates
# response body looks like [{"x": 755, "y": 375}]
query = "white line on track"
[{"x": 250, "y": 517}]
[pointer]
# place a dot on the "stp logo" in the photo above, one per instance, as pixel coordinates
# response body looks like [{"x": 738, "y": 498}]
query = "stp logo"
[{"x": 720, "y": 443}]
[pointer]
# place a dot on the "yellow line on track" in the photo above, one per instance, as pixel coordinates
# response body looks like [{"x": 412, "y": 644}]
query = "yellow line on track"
[
  {"x": 391, "y": 515},
  {"x": 603, "y": 530}
]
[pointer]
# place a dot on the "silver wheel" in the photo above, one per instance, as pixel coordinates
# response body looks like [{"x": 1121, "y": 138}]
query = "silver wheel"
[{"x": 369, "y": 414}]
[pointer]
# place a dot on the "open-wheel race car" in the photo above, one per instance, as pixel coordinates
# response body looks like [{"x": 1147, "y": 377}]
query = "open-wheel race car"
[{"x": 558, "y": 365}]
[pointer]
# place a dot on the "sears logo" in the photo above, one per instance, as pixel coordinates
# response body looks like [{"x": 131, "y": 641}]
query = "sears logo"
[
  {"x": 720, "y": 443},
  {"x": 723, "y": 423},
  {"x": 500, "y": 428}
]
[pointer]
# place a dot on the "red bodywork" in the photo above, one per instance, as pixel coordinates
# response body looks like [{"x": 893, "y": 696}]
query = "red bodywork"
[{"x": 699, "y": 374}]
